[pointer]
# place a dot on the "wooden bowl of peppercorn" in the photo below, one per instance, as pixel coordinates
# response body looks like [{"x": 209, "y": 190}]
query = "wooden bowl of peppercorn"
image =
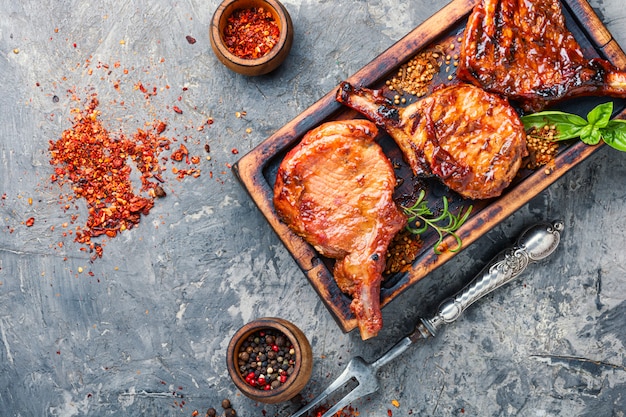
[
  {"x": 270, "y": 360},
  {"x": 251, "y": 37}
]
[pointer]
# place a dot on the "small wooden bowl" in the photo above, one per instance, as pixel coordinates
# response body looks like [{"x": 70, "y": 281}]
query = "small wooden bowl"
[
  {"x": 302, "y": 367},
  {"x": 266, "y": 63}
]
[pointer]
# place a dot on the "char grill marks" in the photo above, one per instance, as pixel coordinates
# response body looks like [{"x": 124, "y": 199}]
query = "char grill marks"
[
  {"x": 472, "y": 140},
  {"x": 523, "y": 50}
]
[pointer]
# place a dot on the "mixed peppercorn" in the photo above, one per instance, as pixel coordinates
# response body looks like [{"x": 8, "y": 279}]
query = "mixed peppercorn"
[
  {"x": 251, "y": 33},
  {"x": 229, "y": 411},
  {"x": 266, "y": 359}
]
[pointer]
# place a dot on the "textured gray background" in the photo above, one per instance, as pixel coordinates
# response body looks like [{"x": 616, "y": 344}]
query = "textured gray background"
[{"x": 147, "y": 333}]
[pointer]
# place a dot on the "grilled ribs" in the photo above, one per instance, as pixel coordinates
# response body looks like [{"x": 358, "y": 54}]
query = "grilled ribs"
[
  {"x": 523, "y": 51},
  {"x": 472, "y": 140},
  {"x": 335, "y": 190}
]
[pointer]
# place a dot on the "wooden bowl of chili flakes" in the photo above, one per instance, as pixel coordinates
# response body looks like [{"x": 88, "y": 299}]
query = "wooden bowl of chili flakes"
[{"x": 251, "y": 37}]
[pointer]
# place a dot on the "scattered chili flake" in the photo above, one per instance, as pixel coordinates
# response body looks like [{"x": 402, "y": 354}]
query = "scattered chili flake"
[
  {"x": 180, "y": 153},
  {"x": 96, "y": 165},
  {"x": 402, "y": 251},
  {"x": 30, "y": 221},
  {"x": 235, "y": 151},
  {"x": 190, "y": 39},
  {"x": 160, "y": 127},
  {"x": 251, "y": 33},
  {"x": 177, "y": 110}
]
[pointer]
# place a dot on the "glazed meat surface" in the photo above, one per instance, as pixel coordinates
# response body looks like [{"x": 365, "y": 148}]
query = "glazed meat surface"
[
  {"x": 472, "y": 140},
  {"x": 523, "y": 50},
  {"x": 335, "y": 189}
]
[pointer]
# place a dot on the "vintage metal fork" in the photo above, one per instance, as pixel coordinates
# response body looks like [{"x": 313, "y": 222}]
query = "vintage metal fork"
[{"x": 534, "y": 244}]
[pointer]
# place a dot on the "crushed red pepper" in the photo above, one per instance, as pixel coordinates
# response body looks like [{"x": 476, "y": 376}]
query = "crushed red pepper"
[
  {"x": 251, "y": 33},
  {"x": 97, "y": 166}
]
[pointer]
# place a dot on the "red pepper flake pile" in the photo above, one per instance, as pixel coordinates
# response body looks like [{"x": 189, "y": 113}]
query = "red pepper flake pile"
[
  {"x": 251, "y": 33},
  {"x": 96, "y": 165}
]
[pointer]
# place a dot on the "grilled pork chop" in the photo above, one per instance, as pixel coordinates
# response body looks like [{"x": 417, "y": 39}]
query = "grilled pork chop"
[
  {"x": 335, "y": 190},
  {"x": 522, "y": 50},
  {"x": 472, "y": 140}
]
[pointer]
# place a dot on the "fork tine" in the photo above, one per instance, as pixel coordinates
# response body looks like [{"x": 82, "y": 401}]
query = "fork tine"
[
  {"x": 344, "y": 377},
  {"x": 347, "y": 399}
]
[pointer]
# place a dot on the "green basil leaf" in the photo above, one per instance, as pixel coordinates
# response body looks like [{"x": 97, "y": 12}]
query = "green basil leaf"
[
  {"x": 600, "y": 115},
  {"x": 597, "y": 127},
  {"x": 568, "y": 125},
  {"x": 592, "y": 137},
  {"x": 614, "y": 134}
]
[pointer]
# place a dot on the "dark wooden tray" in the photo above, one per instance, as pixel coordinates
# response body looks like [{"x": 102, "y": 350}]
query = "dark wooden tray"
[{"x": 257, "y": 169}]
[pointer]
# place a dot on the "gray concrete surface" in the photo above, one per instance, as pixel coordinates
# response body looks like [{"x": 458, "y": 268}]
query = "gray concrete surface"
[{"x": 143, "y": 330}]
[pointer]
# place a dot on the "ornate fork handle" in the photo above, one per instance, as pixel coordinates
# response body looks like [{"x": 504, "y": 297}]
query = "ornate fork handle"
[{"x": 535, "y": 244}]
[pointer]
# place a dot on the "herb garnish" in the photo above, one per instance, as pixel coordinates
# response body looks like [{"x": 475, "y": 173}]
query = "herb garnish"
[
  {"x": 447, "y": 223},
  {"x": 597, "y": 127}
]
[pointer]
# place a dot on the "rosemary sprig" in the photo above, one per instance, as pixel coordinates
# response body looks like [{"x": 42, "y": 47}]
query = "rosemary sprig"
[{"x": 446, "y": 223}]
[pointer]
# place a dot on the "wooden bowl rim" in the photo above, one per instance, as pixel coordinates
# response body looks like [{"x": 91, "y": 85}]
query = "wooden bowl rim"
[
  {"x": 227, "y": 7},
  {"x": 297, "y": 338}
]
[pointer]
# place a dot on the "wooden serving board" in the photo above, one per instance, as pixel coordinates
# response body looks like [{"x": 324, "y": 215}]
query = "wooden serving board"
[{"x": 257, "y": 169}]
